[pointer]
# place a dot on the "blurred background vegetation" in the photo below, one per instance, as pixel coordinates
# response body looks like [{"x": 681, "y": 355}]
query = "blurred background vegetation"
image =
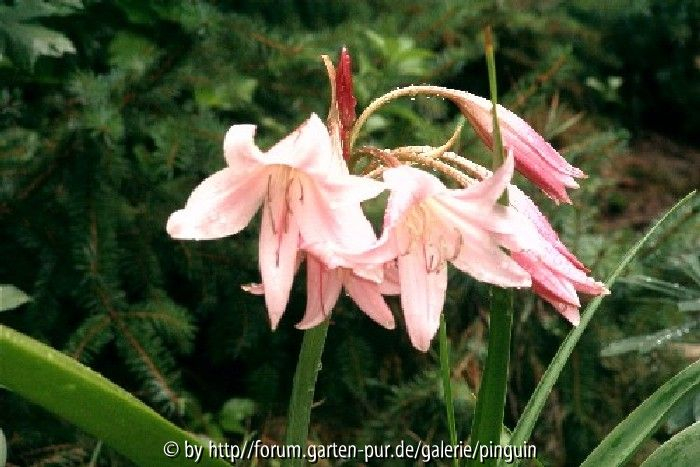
[{"x": 112, "y": 111}]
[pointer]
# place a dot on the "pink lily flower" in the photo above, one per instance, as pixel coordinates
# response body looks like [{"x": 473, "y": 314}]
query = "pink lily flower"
[
  {"x": 325, "y": 276},
  {"x": 306, "y": 198},
  {"x": 534, "y": 157},
  {"x": 556, "y": 273},
  {"x": 426, "y": 225}
]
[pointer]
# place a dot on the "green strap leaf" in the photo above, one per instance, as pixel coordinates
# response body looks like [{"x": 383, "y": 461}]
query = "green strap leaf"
[
  {"x": 624, "y": 440},
  {"x": 446, "y": 373},
  {"x": 532, "y": 411},
  {"x": 76, "y": 393},
  {"x": 681, "y": 450}
]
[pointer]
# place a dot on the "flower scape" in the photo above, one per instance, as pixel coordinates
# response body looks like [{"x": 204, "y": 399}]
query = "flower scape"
[{"x": 311, "y": 212}]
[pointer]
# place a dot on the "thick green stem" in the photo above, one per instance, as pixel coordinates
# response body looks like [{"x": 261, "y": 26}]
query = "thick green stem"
[
  {"x": 488, "y": 415},
  {"x": 308, "y": 366},
  {"x": 446, "y": 384},
  {"x": 490, "y": 405}
]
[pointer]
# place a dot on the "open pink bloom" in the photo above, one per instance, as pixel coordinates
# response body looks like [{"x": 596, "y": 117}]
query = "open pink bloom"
[
  {"x": 534, "y": 157},
  {"x": 305, "y": 195},
  {"x": 556, "y": 273},
  {"x": 426, "y": 225}
]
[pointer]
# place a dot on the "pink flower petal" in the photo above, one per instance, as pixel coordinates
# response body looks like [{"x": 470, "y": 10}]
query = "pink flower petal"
[
  {"x": 221, "y": 205},
  {"x": 390, "y": 285},
  {"x": 524, "y": 205},
  {"x": 489, "y": 190},
  {"x": 546, "y": 279},
  {"x": 478, "y": 204},
  {"x": 350, "y": 189},
  {"x": 422, "y": 295},
  {"x": 570, "y": 312},
  {"x": 308, "y": 149},
  {"x": 409, "y": 186},
  {"x": 329, "y": 232},
  {"x": 367, "y": 296},
  {"x": 322, "y": 291},
  {"x": 480, "y": 256},
  {"x": 279, "y": 241},
  {"x": 240, "y": 150}
]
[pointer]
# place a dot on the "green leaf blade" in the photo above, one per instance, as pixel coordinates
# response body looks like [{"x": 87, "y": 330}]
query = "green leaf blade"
[
  {"x": 681, "y": 450},
  {"x": 76, "y": 393},
  {"x": 623, "y": 441}
]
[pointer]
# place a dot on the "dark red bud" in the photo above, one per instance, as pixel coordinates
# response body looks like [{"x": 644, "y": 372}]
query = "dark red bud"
[
  {"x": 345, "y": 96},
  {"x": 344, "y": 90}
]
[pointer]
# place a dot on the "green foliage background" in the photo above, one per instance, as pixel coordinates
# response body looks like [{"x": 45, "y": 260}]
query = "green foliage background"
[{"x": 112, "y": 111}]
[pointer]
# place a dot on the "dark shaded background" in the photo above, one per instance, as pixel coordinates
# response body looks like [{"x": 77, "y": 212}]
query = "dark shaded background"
[{"x": 112, "y": 111}]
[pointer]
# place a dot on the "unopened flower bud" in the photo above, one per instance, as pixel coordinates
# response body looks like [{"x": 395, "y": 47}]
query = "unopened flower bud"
[{"x": 345, "y": 96}]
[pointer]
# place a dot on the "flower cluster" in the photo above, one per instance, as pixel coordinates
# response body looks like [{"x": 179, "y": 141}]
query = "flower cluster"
[{"x": 311, "y": 212}]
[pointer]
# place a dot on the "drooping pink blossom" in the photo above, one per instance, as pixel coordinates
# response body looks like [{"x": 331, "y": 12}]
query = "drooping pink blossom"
[
  {"x": 306, "y": 195},
  {"x": 534, "y": 157},
  {"x": 427, "y": 225},
  {"x": 556, "y": 273}
]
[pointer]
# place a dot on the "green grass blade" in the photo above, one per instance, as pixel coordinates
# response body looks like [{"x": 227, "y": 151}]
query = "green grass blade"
[
  {"x": 446, "y": 372},
  {"x": 532, "y": 411},
  {"x": 76, "y": 393},
  {"x": 681, "y": 450},
  {"x": 623, "y": 441}
]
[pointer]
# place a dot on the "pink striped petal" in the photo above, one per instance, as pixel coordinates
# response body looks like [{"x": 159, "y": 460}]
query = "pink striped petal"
[
  {"x": 422, "y": 295},
  {"x": 308, "y": 149},
  {"x": 279, "y": 242},
  {"x": 390, "y": 285},
  {"x": 322, "y": 291},
  {"x": 546, "y": 279},
  {"x": 489, "y": 190}
]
